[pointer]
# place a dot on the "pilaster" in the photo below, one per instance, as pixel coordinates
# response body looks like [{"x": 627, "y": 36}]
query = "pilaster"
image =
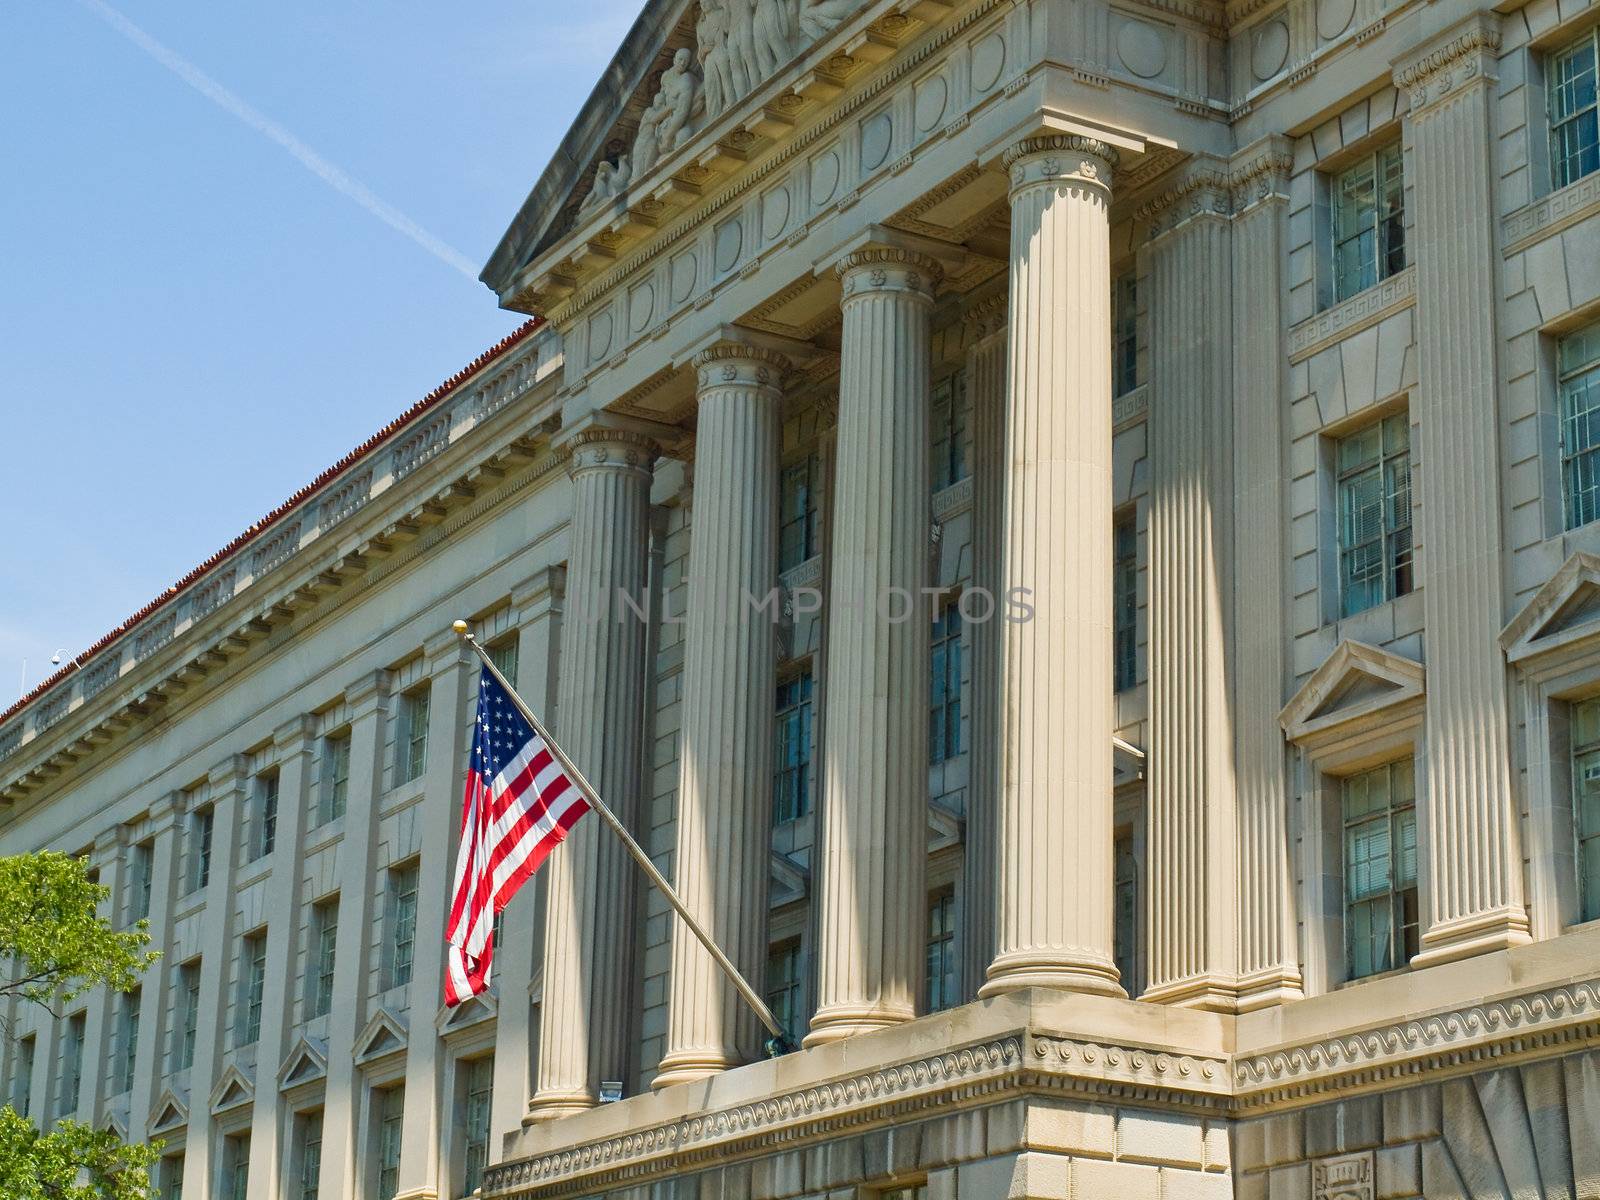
[
  {"x": 109, "y": 857},
  {"x": 227, "y": 780},
  {"x": 1053, "y": 915},
  {"x": 367, "y": 700},
  {"x": 1269, "y": 969},
  {"x": 164, "y": 817},
  {"x": 585, "y": 1017},
  {"x": 873, "y": 852},
  {"x": 538, "y": 602},
  {"x": 725, "y": 777},
  {"x": 1192, "y": 839},
  {"x": 986, "y": 385},
  {"x": 1475, "y": 895}
]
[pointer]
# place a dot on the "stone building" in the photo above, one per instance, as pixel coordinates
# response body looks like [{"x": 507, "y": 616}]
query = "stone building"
[{"x": 1219, "y": 384}]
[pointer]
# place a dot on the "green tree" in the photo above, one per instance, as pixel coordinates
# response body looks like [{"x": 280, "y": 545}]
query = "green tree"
[{"x": 54, "y": 946}]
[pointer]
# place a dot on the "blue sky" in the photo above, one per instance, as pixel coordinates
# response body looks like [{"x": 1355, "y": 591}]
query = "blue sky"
[{"x": 194, "y": 323}]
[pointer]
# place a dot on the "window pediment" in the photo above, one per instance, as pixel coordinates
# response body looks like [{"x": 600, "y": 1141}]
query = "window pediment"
[
  {"x": 466, "y": 1014},
  {"x": 233, "y": 1090},
  {"x": 1562, "y": 614},
  {"x": 171, "y": 1112},
  {"x": 384, "y": 1034},
  {"x": 1357, "y": 684},
  {"x": 787, "y": 882},
  {"x": 307, "y": 1061}
]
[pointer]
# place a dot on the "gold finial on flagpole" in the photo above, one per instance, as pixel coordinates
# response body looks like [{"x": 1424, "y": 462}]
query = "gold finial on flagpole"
[{"x": 460, "y": 627}]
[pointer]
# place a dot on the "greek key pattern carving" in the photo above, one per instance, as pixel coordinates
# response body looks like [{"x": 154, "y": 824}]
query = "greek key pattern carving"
[
  {"x": 1361, "y": 311},
  {"x": 1130, "y": 407},
  {"x": 1451, "y": 1034},
  {"x": 1551, "y": 214},
  {"x": 837, "y": 1103}
]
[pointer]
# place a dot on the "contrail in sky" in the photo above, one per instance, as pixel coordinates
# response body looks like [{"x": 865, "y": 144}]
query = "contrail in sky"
[{"x": 304, "y": 154}]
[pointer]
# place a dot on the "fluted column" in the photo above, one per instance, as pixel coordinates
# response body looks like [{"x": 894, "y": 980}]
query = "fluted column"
[
  {"x": 725, "y": 749},
  {"x": 1474, "y": 880},
  {"x": 109, "y": 858},
  {"x": 1192, "y": 825},
  {"x": 871, "y": 898},
  {"x": 1053, "y": 919},
  {"x": 588, "y": 945},
  {"x": 1269, "y": 969},
  {"x": 149, "y": 1069},
  {"x": 986, "y": 384}
]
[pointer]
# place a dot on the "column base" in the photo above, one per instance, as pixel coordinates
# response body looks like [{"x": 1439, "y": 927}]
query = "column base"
[
  {"x": 1480, "y": 933},
  {"x": 1265, "y": 989},
  {"x": 554, "y": 1106},
  {"x": 836, "y": 1024},
  {"x": 1209, "y": 993},
  {"x": 690, "y": 1066},
  {"x": 1013, "y": 972}
]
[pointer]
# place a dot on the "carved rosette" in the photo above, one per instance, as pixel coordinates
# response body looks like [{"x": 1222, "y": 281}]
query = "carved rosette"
[
  {"x": 733, "y": 365},
  {"x": 1449, "y": 68},
  {"x": 1061, "y": 160},
  {"x": 888, "y": 269},
  {"x": 611, "y": 449}
]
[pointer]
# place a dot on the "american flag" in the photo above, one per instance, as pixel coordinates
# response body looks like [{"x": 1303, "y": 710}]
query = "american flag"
[{"x": 519, "y": 805}]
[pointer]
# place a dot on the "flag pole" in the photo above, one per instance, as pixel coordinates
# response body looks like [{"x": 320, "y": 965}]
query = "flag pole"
[{"x": 779, "y": 1042}]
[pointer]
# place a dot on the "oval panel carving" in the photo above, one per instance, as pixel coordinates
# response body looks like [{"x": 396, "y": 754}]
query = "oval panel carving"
[
  {"x": 683, "y": 272},
  {"x": 730, "y": 237},
  {"x": 600, "y": 336},
  {"x": 1333, "y": 16},
  {"x": 640, "y": 305},
  {"x": 932, "y": 94},
  {"x": 824, "y": 177},
  {"x": 1269, "y": 49},
  {"x": 1142, "y": 48},
  {"x": 774, "y": 212},
  {"x": 988, "y": 59},
  {"x": 876, "y": 134}
]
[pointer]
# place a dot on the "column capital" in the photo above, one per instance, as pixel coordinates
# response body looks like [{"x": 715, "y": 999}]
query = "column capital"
[
  {"x": 165, "y": 811},
  {"x": 367, "y": 693},
  {"x": 735, "y": 364},
  {"x": 1054, "y": 158},
  {"x": 602, "y": 447},
  {"x": 986, "y": 317},
  {"x": 1202, "y": 188},
  {"x": 293, "y": 734},
  {"x": 888, "y": 269},
  {"x": 1454, "y": 59},
  {"x": 543, "y": 587},
  {"x": 1260, "y": 172},
  {"x": 227, "y": 773}
]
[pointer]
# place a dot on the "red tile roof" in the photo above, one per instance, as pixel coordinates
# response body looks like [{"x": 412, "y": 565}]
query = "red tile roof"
[{"x": 433, "y": 398}]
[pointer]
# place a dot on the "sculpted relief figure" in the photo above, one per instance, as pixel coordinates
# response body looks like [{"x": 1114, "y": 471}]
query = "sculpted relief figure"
[
  {"x": 819, "y": 17},
  {"x": 742, "y": 62},
  {"x": 711, "y": 32},
  {"x": 610, "y": 179},
  {"x": 666, "y": 123},
  {"x": 773, "y": 46}
]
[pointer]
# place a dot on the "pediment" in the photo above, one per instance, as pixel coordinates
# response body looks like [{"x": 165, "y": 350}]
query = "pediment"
[
  {"x": 1356, "y": 682},
  {"x": 233, "y": 1089},
  {"x": 469, "y": 1012},
  {"x": 944, "y": 828},
  {"x": 1564, "y": 611},
  {"x": 787, "y": 881},
  {"x": 306, "y": 1062},
  {"x": 116, "y": 1125},
  {"x": 679, "y": 109},
  {"x": 383, "y": 1035},
  {"x": 170, "y": 1112}
]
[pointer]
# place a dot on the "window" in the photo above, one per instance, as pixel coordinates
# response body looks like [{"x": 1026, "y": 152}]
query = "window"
[
  {"x": 324, "y": 947},
  {"x": 951, "y": 437},
  {"x": 944, "y": 693},
  {"x": 791, "y": 796},
  {"x": 1125, "y": 909},
  {"x": 170, "y": 1177},
  {"x": 1380, "y": 869},
  {"x": 252, "y": 982},
  {"x": 475, "y": 1115},
  {"x": 127, "y": 1041},
  {"x": 504, "y": 657},
  {"x": 1574, "y": 137},
  {"x": 413, "y": 736},
  {"x": 1369, "y": 235},
  {"x": 183, "y": 1034},
  {"x": 1586, "y": 804},
  {"x": 236, "y": 1167},
  {"x": 200, "y": 828},
  {"x": 308, "y": 1177},
  {"x": 798, "y": 520},
  {"x": 783, "y": 984},
  {"x": 335, "y": 792},
  {"x": 1374, "y": 466},
  {"x": 1125, "y": 603},
  {"x": 1578, "y": 369},
  {"x": 143, "y": 873},
  {"x": 1124, "y": 333},
  {"x": 71, "y": 1068},
  {"x": 264, "y": 825},
  {"x": 915, "y": 1192},
  {"x": 942, "y": 951},
  {"x": 391, "y": 1117},
  {"x": 402, "y": 923},
  {"x": 22, "y": 1080}
]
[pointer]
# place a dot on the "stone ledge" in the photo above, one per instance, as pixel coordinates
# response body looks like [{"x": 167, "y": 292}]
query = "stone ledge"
[
  {"x": 1550, "y": 215},
  {"x": 1349, "y": 317}
]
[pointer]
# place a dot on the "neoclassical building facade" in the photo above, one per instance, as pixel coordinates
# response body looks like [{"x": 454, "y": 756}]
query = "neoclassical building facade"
[{"x": 1070, "y": 530}]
